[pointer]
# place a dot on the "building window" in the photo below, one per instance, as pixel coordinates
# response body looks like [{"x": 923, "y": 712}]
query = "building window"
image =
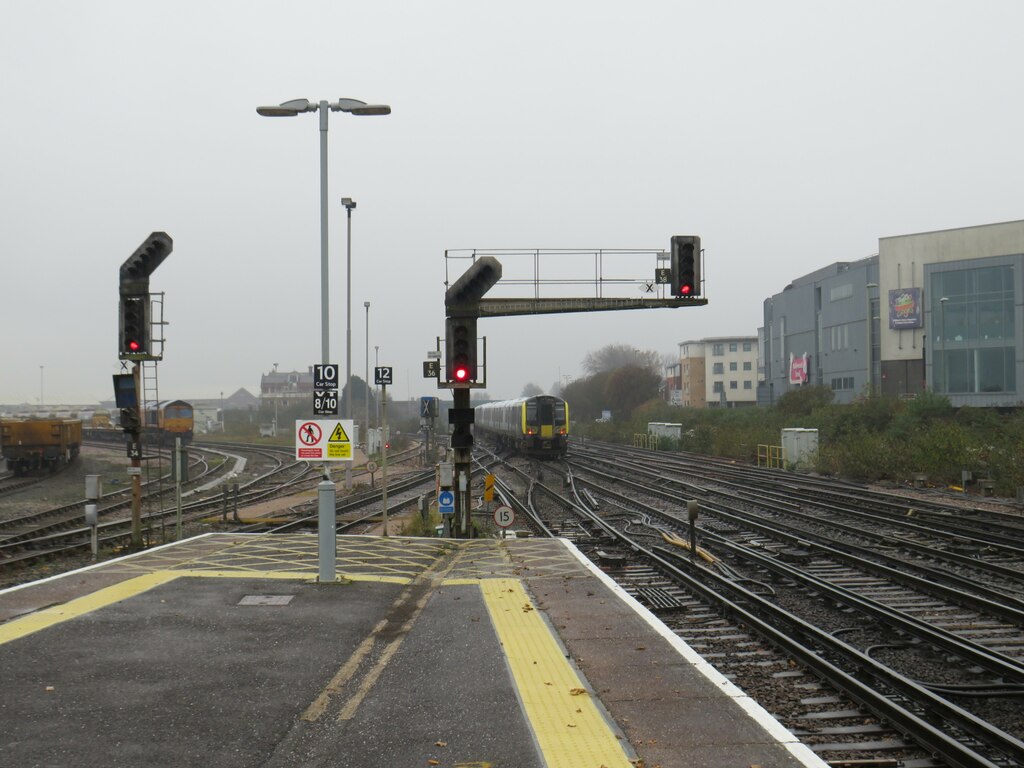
[
  {"x": 746, "y": 346},
  {"x": 733, "y": 366},
  {"x": 748, "y": 366},
  {"x": 734, "y": 385},
  {"x": 732, "y": 346},
  {"x": 748, "y": 385},
  {"x": 839, "y": 337},
  {"x": 718, "y": 368},
  {"x": 973, "y": 349},
  {"x": 840, "y": 292},
  {"x": 718, "y": 350},
  {"x": 717, "y": 387}
]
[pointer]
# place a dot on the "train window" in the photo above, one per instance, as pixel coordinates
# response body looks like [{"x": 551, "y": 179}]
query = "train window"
[
  {"x": 531, "y": 412},
  {"x": 559, "y": 414},
  {"x": 546, "y": 412}
]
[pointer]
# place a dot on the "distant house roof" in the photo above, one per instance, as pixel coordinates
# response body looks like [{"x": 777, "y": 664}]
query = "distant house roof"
[{"x": 242, "y": 398}]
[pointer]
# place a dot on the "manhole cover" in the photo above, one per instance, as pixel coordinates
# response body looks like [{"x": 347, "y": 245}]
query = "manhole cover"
[{"x": 266, "y": 600}]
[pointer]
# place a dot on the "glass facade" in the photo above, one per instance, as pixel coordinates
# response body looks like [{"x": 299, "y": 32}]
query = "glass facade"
[{"x": 973, "y": 316}]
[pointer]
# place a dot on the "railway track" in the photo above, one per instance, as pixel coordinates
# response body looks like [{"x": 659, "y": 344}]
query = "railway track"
[
  {"x": 217, "y": 492},
  {"x": 57, "y": 531},
  {"x": 869, "y": 664}
]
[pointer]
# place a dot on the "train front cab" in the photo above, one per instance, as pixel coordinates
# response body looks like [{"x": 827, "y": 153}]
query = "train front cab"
[
  {"x": 168, "y": 420},
  {"x": 545, "y": 426}
]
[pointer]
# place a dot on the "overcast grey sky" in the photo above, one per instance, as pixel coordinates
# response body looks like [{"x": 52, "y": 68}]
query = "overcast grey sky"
[{"x": 789, "y": 135}]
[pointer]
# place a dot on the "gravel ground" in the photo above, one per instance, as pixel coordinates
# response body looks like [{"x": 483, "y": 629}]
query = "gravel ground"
[{"x": 68, "y": 487}]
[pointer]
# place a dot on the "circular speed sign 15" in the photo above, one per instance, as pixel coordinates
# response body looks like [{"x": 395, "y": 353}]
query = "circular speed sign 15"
[{"x": 504, "y": 516}]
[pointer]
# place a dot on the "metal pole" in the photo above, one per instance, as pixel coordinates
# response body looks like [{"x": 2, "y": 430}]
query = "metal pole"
[
  {"x": 692, "y": 510},
  {"x": 92, "y": 521},
  {"x": 93, "y": 492},
  {"x": 326, "y": 530},
  {"x": 384, "y": 456},
  {"x": 366, "y": 376},
  {"x": 136, "y": 470},
  {"x": 177, "y": 485},
  {"x": 348, "y": 337},
  {"x": 376, "y": 393},
  {"x": 325, "y": 347},
  {"x": 463, "y": 458}
]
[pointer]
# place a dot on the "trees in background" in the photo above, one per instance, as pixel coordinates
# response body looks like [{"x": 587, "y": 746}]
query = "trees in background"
[{"x": 621, "y": 379}]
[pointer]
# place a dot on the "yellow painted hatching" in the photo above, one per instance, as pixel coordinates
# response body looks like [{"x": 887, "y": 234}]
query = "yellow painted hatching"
[{"x": 569, "y": 727}]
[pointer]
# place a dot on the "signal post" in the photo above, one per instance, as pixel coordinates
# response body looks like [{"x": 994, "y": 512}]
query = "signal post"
[
  {"x": 463, "y": 373},
  {"x": 135, "y": 343},
  {"x": 465, "y": 304}
]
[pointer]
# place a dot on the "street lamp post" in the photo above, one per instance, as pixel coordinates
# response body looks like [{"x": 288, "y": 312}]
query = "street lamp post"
[
  {"x": 366, "y": 375},
  {"x": 290, "y": 109},
  {"x": 942, "y": 337},
  {"x": 349, "y": 204}
]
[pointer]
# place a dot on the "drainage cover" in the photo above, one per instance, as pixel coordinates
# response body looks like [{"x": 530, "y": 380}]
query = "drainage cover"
[{"x": 266, "y": 600}]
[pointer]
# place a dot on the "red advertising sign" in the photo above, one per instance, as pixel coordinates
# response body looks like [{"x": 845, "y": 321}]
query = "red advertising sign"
[{"x": 798, "y": 368}]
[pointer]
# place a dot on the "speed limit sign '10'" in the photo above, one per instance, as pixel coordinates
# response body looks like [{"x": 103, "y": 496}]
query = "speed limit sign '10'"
[{"x": 504, "y": 516}]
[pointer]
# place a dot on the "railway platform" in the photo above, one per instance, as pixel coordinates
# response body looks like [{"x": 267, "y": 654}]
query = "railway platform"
[{"x": 224, "y": 650}]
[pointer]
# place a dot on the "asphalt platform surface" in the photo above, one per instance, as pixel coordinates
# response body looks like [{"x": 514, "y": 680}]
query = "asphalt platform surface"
[{"x": 225, "y": 650}]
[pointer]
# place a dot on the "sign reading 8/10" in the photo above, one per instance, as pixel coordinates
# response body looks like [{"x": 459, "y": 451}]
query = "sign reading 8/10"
[{"x": 325, "y": 402}]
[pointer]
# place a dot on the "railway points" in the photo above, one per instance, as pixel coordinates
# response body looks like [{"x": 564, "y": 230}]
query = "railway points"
[{"x": 223, "y": 649}]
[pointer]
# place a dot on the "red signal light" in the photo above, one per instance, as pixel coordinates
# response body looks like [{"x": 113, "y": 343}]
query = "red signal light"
[
  {"x": 134, "y": 346},
  {"x": 685, "y": 266},
  {"x": 460, "y": 343}
]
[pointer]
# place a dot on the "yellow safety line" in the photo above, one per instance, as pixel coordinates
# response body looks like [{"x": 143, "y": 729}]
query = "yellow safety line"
[
  {"x": 571, "y": 731},
  {"x": 48, "y": 617}
]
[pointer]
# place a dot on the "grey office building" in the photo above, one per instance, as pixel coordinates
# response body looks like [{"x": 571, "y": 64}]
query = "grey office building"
[{"x": 936, "y": 310}]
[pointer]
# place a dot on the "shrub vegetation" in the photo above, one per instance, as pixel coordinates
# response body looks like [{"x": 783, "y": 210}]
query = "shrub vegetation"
[{"x": 875, "y": 439}]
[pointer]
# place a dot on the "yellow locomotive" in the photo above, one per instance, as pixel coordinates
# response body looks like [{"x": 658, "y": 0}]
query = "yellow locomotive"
[
  {"x": 161, "y": 424},
  {"x": 170, "y": 419}
]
